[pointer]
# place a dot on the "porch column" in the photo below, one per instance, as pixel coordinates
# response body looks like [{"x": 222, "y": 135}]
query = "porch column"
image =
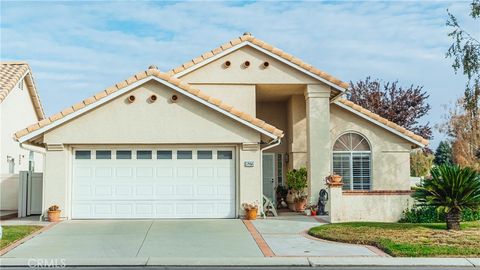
[{"x": 318, "y": 138}]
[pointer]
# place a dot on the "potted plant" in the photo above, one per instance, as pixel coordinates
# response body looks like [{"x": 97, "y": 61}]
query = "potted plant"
[
  {"x": 297, "y": 183},
  {"x": 54, "y": 213},
  {"x": 300, "y": 202},
  {"x": 251, "y": 210},
  {"x": 313, "y": 209},
  {"x": 335, "y": 179}
]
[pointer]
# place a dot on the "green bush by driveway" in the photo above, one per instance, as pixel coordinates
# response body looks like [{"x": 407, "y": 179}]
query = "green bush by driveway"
[
  {"x": 15, "y": 233},
  {"x": 406, "y": 239}
]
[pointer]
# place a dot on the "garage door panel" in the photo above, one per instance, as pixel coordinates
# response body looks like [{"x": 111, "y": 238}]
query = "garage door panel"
[
  {"x": 165, "y": 172},
  {"x": 161, "y": 186},
  {"x": 124, "y": 172}
]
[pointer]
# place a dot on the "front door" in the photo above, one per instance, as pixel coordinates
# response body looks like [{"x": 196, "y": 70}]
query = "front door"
[{"x": 269, "y": 175}]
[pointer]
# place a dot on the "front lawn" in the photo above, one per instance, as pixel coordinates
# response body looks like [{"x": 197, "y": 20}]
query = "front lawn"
[
  {"x": 407, "y": 239},
  {"x": 15, "y": 233}
]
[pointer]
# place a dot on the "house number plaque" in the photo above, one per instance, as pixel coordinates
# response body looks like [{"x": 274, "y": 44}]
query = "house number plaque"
[{"x": 249, "y": 163}]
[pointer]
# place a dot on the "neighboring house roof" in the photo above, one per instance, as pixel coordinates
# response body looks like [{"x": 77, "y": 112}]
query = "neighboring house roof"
[
  {"x": 11, "y": 73},
  {"x": 134, "y": 81},
  {"x": 248, "y": 39},
  {"x": 383, "y": 122}
]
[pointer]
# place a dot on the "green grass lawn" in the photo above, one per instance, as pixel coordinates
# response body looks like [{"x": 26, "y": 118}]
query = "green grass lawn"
[
  {"x": 15, "y": 233},
  {"x": 407, "y": 239}
]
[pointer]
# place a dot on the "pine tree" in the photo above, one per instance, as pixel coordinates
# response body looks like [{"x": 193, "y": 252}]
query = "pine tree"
[{"x": 443, "y": 154}]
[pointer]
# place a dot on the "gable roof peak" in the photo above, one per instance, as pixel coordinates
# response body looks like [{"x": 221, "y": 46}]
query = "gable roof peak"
[
  {"x": 11, "y": 74},
  {"x": 128, "y": 84},
  {"x": 248, "y": 38}
]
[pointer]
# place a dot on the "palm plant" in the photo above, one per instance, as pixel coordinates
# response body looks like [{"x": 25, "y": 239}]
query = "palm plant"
[{"x": 450, "y": 189}]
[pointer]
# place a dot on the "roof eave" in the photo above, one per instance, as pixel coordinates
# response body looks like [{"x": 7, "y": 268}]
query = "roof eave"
[{"x": 392, "y": 130}]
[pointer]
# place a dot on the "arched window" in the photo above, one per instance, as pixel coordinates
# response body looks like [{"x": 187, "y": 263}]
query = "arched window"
[{"x": 352, "y": 160}]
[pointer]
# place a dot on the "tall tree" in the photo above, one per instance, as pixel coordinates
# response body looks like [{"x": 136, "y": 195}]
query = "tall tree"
[
  {"x": 463, "y": 123},
  {"x": 443, "y": 154},
  {"x": 460, "y": 127},
  {"x": 403, "y": 106},
  {"x": 465, "y": 51}
]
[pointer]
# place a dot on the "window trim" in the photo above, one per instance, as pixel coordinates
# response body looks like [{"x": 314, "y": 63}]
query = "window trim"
[{"x": 350, "y": 153}]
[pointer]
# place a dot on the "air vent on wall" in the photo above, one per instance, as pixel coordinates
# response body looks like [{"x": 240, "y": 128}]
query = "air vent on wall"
[
  {"x": 250, "y": 146},
  {"x": 55, "y": 147}
]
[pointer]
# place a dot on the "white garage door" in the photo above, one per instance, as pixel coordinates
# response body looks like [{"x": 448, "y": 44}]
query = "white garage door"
[{"x": 153, "y": 183}]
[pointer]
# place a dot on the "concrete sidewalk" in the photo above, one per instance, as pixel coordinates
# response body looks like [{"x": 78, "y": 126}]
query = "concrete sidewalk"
[{"x": 242, "y": 261}]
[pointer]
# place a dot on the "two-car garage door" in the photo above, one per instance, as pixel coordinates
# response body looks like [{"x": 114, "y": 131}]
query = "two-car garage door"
[{"x": 157, "y": 182}]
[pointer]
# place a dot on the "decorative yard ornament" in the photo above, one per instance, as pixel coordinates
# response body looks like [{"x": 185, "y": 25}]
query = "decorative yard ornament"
[{"x": 322, "y": 202}]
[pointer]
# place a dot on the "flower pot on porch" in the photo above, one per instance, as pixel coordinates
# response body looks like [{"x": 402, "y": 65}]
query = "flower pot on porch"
[
  {"x": 300, "y": 205},
  {"x": 335, "y": 179},
  {"x": 251, "y": 214},
  {"x": 54, "y": 216},
  {"x": 314, "y": 213}
]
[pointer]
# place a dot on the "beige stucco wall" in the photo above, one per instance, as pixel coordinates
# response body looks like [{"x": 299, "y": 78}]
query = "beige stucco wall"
[
  {"x": 142, "y": 123},
  {"x": 16, "y": 112},
  {"x": 242, "y": 97},
  {"x": 9, "y": 192},
  {"x": 384, "y": 208},
  {"x": 297, "y": 130},
  {"x": 277, "y": 72},
  {"x": 390, "y": 153},
  {"x": 275, "y": 113},
  {"x": 250, "y": 178}
]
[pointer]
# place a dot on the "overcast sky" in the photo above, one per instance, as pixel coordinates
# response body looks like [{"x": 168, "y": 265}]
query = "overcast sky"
[{"x": 78, "y": 49}]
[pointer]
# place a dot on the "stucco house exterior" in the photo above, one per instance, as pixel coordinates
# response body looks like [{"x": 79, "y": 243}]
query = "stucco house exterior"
[
  {"x": 217, "y": 131},
  {"x": 19, "y": 106}
]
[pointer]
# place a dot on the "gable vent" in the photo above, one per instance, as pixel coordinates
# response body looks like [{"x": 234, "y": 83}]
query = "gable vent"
[
  {"x": 55, "y": 147},
  {"x": 250, "y": 146}
]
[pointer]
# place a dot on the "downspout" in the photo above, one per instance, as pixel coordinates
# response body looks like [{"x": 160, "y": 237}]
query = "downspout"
[
  {"x": 271, "y": 144},
  {"x": 43, "y": 153}
]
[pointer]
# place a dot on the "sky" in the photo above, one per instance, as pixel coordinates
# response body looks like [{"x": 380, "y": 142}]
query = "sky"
[{"x": 76, "y": 49}]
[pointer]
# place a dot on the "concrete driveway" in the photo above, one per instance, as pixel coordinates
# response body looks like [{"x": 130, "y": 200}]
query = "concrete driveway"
[{"x": 141, "y": 238}]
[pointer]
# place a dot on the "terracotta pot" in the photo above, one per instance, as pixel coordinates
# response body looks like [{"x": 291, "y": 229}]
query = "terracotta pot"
[
  {"x": 300, "y": 205},
  {"x": 335, "y": 179},
  {"x": 54, "y": 216},
  {"x": 314, "y": 213},
  {"x": 251, "y": 214}
]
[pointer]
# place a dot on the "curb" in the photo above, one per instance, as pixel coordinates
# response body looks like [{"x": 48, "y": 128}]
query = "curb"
[
  {"x": 154, "y": 261},
  {"x": 242, "y": 261},
  {"x": 383, "y": 261}
]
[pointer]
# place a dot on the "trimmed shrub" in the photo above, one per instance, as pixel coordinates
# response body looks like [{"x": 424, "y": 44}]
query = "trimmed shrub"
[{"x": 428, "y": 214}]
